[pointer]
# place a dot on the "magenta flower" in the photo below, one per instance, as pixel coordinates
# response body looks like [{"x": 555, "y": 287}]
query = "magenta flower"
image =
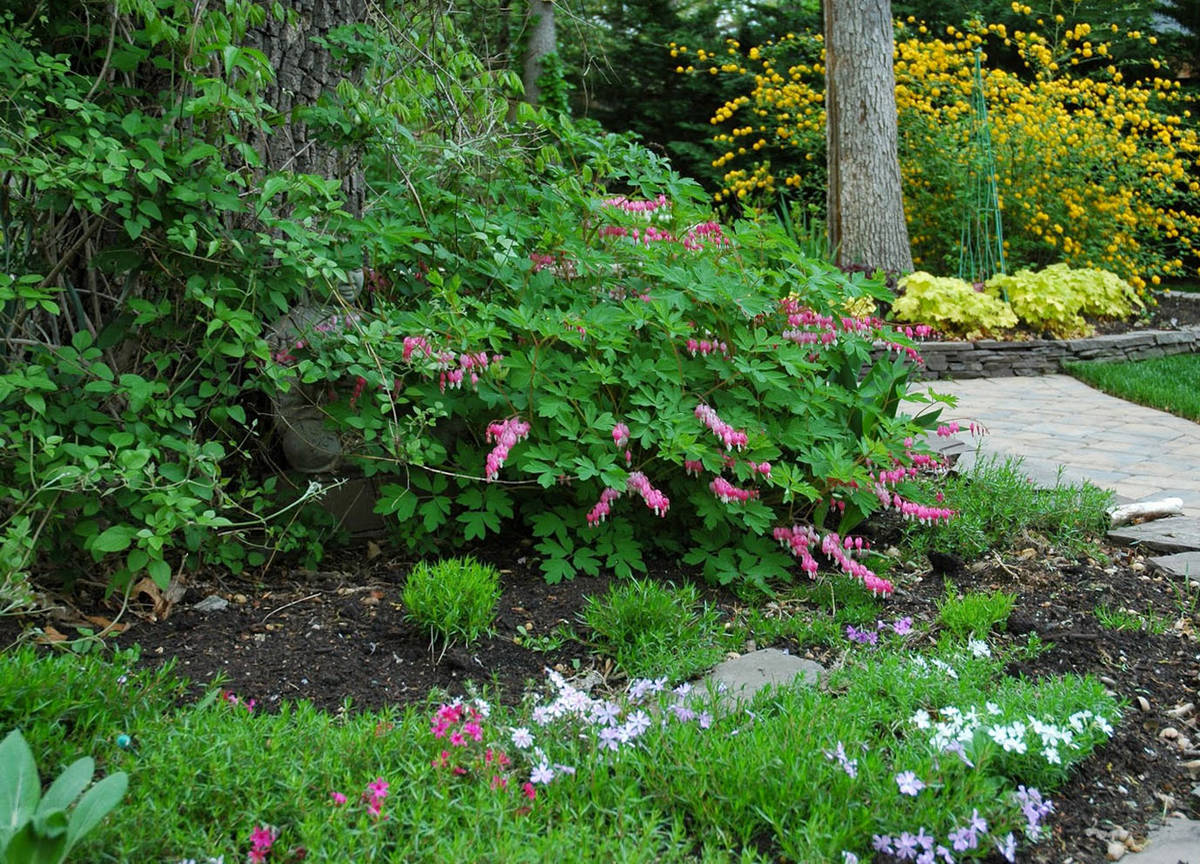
[
  {"x": 378, "y": 788},
  {"x": 620, "y": 434},
  {"x": 338, "y": 798}
]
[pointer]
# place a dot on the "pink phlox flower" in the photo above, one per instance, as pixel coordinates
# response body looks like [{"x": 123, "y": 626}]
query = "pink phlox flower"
[
  {"x": 378, "y": 788},
  {"x": 338, "y": 798},
  {"x": 457, "y": 739},
  {"x": 498, "y": 782},
  {"x": 473, "y": 730},
  {"x": 529, "y": 791}
]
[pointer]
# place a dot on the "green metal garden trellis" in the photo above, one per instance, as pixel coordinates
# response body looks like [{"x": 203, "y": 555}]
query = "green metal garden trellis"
[{"x": 981, "y": 242}]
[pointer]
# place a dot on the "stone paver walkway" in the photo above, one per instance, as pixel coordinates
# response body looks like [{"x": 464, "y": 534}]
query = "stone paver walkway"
[
  {"x": 1140, "y": 453},
  {"x": 1052, "y": 420}
]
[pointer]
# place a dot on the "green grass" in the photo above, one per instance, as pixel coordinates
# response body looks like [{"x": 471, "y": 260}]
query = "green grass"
[
  {"x": 650, "y": 629},
  {"x": 203, "y": 776},
  {"x": 1171, "y": 384},
  {"x": 1113, "y": 618},
  {"x": 996, "y": 504},
  {"x": 974, "y": 613},
  {"x": 455, "y": 598}
]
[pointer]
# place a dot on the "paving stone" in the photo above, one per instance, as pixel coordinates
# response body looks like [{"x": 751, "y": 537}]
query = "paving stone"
[
  {"x": 1177, "y": 534},
  {"x": 746, "y": 675},
  {"x": 1179, "y": 564},
  {"x": 1176, "y": 842}
]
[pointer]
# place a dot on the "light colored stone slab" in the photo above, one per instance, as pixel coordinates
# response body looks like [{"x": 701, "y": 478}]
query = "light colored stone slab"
[
  {"x": 744, "y": 676},
  {"x": 1179, "y": 564},
  {"x": 1177, "y": 534},
  {"x": 1176, "y": 842}
]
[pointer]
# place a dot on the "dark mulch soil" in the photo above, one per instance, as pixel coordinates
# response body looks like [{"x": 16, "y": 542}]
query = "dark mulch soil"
[
  {"x": 1171, "y": 311},
  {"x": 339, "y": 634}
]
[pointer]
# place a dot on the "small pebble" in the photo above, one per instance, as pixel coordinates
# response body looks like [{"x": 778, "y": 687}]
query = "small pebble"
[
  {"x": 1169, "y": 734},
  {"x": 1181, "y": 710},
  {"x": 1143, "y": 704},
  {"x": 1116, "y": 850}
]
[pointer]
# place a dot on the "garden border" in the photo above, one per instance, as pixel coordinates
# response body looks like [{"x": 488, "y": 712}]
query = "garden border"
[{"x": 989, "y": 358}]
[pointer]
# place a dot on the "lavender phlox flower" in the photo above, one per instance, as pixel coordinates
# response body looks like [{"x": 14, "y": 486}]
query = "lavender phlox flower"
[
  {"x": 850, "y": 766},
  {"x": 704, "y": 720},
  {"x": 682, "y": 712},
  {"x": 849, "y": 857},
  {"x": 963, "y": 839},
  {"x": 902, "y": 626},
  {"x": 925, "y": 841},
  {"x": 541, "y": 774},
  {"x": 909, "y": 784},
  {"x": 605, "y": 713},
  {"x": 1008, "y": 848},
  {"x": 944, "y": 853},
  {"x": 957, "y": 748},
  {"x": 882, "y": 843},
  {"x": 864, "y": 637},
  {"x": 906, "y": 846},
  {"x": 522, "y": 739},
  {"x": 979, "y": 648}
]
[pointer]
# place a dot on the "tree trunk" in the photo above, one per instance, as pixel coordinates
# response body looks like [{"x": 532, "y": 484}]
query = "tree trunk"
[
  {"x": 866, "y": 208},
  {"x": 303, "y": 71},
  {"x": 542, "y": 41}
]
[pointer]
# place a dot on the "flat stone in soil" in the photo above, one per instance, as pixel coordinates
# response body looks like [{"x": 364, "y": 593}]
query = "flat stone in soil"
[
  {"x": 1176, "y": 842},
  {"x": 1180, "y": 564},
  {"x": 1177, "y": 534},
  {"x": 743, "y": 677}
]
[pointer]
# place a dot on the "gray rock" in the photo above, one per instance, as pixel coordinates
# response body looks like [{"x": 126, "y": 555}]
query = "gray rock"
[
  {"x": 212, "y": 603},
  {"x": 1176, "y": 841},
  {"x": 745, "y": 676},
  {"x": 1177, "y": 534},
  {"x": 1179, "y": 564}
]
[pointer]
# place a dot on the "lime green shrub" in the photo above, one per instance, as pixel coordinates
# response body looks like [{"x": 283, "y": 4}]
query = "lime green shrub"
[
  {"x": 951, "y": 305},
  {"x": 1054, "y": 300},
  {"x": 455, "y": 598},
  {"x": 1057, "y": 298}
]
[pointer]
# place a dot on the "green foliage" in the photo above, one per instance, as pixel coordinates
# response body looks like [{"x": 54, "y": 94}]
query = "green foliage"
[
  {"x": 996, "y": 504},
  {"x": 36, "y": 826},
  {"x": 1053, "y": 300},
  {"x": 1114, "y": 618},
  {"x": 1166, "y": 383},
  {"x": 652, "y": 629},
  {"x": 951, "y": 305},
  {"x": 139, "y": 382},
  {"x": 974, "y": 613},
  {"x": 1056, "y": 299},
  {"x": 455, "y": 598}
]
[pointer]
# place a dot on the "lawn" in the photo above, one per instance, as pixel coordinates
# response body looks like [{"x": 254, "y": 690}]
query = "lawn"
[{"x": 1171, "y": 384}]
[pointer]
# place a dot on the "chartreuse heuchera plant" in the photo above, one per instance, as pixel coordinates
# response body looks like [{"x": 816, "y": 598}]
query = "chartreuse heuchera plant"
[{"x": 1053, "y": 300}]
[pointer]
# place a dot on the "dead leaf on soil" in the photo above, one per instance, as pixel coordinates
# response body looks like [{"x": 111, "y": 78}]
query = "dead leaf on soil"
[{"x": 50, "y": 636}]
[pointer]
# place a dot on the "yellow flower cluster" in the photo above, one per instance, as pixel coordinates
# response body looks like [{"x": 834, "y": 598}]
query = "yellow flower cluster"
[{"x": 1092, "y": 169}]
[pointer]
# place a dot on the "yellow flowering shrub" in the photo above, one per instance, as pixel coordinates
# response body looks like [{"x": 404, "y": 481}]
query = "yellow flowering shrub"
[
  {"x": 952, "y": 306},
  {"x": 1093, "y": 170}
]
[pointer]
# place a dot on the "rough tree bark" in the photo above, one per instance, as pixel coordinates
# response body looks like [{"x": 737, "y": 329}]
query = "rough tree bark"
[
  {"x": 542, "y": 41},
  {"x": 866, "y": 208},
  {"x": 303, "y": 71}
]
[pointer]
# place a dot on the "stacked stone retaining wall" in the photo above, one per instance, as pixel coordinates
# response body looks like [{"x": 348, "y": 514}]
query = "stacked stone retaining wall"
[{"x": 988, "y": 358}]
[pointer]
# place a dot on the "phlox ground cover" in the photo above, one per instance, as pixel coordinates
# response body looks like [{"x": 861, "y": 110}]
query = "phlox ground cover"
[{"x": 917, "y": 754}]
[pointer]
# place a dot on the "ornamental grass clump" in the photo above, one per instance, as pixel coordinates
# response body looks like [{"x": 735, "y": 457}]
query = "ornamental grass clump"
[{"x": 455, "y": 598}]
